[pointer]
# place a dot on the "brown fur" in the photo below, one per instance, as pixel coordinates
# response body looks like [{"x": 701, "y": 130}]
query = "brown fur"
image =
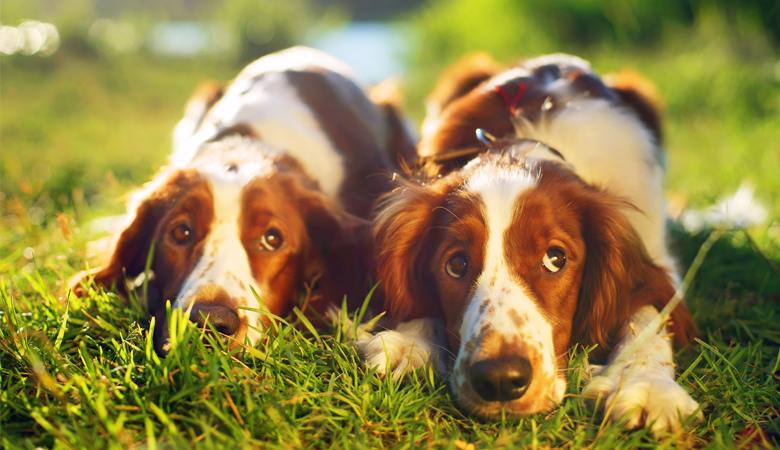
[
  {"x": 609, "y": 274},
  {"x": 159, "y": 202},
  {"x": 462, "y": 77},
  {"x": 641, "y": 96},
  {"x": 324, "y": 239}
]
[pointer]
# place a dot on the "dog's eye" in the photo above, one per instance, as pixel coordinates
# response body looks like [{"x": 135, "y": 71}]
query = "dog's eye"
[
  {"x": 553, "y": 260},
  {"x": 181, "y": 235},
  {"x": 457, "y": 266},
  {"x": 271, "y": 240}
]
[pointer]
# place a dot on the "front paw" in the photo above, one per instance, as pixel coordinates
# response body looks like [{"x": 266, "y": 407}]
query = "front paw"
[
  {"x": 412, "y": 345},
  {"x": 644, "y": 399}
]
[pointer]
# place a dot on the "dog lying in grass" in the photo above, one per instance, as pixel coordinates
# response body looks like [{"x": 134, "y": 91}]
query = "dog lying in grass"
[
  {"x": 270, "y": 184},
  {"x": 543, "y": 231}
]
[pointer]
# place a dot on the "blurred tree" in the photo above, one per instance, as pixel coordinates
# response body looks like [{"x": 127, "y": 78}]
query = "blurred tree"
[
  {"x": 265, "y": 26},
  {"x": 371, "y": 10}
]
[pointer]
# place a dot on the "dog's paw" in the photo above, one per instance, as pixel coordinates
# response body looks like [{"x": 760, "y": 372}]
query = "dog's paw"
[
  {"x": 644, "y": 399},
  {"x": 412, "y": 345}
]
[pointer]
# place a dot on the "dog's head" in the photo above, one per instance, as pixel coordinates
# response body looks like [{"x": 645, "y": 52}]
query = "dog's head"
[
  {"x": 238, "y": 217},
  {"x": 519, "y": 255},
  {"x": 521, "y": 259}
]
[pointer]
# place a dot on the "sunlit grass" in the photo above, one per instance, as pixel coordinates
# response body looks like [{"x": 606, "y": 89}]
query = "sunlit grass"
[
  {"x": 83, "y": 371},
  {"x": 78, "y": 133}
]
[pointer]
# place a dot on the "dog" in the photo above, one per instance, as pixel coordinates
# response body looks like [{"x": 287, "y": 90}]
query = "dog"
[
  {"x": 268, "y": 193},
  {"x": 544, "y": 230}
]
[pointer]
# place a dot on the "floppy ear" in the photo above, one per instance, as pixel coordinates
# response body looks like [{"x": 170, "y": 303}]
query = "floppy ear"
[
  {"x": 130, "y": 249},
  {"x": 459, "y": 79},
  {"x": 457, "y": 107},
  {"x": 200, "y": 102},
  {"x": 402, "y": 234},
  {"x": 399, "y": 147},
  {"x": 619, "y": 277},
  {"x": 641, "y": 96},
  {"x": 128, "y": 253},
  {"x": 341, "y": 252}
]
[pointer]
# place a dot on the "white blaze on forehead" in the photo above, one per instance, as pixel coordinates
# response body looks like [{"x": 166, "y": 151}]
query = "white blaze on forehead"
[
  {"x": 498, "y": 188},
  {"x": 225, "y": 262},
  {"x": 510, "y": 312}
]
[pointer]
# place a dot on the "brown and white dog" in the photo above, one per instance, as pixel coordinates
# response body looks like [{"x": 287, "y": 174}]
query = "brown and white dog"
[
  {"x": 270, "y": 185},
  {"x": 553, "y": 235}
]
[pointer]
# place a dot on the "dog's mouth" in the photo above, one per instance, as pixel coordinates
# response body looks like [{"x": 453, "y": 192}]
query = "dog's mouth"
[{"x": 520, "y": 379}]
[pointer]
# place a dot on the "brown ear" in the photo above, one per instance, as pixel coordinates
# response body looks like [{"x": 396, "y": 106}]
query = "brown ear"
[
  {"x": 619, "y": 277},
  {"x": 402, "y": 233},
  {"x": 400, "y": 147},
  {"x": 200, "y": 102},
  {"x": 341, "y": 252},
  {"x": 459, "y": 79},
  {"x": 128, "y": 253},
  {"x": 641, "y": 96},
  {"x": 130, "y": 249}
]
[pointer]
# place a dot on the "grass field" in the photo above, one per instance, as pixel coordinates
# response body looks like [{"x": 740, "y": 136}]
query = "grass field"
[{"x": 77, "y": 132}]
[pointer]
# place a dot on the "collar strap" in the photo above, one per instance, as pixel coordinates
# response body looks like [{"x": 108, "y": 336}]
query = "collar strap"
[{"x": 511, "y": 104}]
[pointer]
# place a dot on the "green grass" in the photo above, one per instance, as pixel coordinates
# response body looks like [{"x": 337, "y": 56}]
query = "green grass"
[
  {"x": 78, "y": 132},
  {"x": 82, "y": 372}
]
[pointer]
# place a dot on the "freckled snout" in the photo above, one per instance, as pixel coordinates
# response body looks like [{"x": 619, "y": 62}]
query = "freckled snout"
[{"x": 501, "y": 379}]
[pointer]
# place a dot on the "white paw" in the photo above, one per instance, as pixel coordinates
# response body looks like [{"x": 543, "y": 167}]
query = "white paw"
[
  {"x": 411, "y": 346},
  {"x": 644, "y": 399}
]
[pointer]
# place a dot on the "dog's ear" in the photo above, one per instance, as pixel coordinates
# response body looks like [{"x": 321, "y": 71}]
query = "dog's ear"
[
  {"x": 200, "y": 102},
  {"x": 459, "y": 79},
  {"x": 619, "y": 276},
  {"x": 402, "y": 234},
  {"x": 128, "y": 252},
  {"x": 641, "y": 96},
  {"x": 340, "y": 251},
  {"x": 400, "y": 143},
  {"x": 456, "y": 108},
  {"x": 130, "y": 248}
]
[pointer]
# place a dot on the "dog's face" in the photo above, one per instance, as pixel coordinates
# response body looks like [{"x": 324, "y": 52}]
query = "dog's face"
[
  {"x": 522, "y": 259},
  {"x": 230, "y": 222}
]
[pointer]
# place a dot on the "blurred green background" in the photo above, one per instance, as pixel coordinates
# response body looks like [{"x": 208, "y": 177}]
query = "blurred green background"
[{"x": 87, "y": 114}]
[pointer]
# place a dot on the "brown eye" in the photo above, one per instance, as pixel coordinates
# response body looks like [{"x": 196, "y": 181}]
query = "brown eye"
[
  {"x": 553, "y": 260},
  {"x": 181, "y": 235},
  {"x": 457, "y": 266},
  {"x": 271, "y": 240}
]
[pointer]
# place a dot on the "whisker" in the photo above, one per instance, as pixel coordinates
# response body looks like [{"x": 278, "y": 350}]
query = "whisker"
[{"x": 446, "y": 209}]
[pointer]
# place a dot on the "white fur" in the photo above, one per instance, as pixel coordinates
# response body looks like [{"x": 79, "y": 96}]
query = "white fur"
[
  {"x": 262, "y": 97},
  {"x": 606, "y": 145},
  {"x": 225, "y": 262},
  {"x": 411, "y": 345},
  {"x": 273, "y": 109},
  {"x": 640, "y": 388},
  {"x": 499, "y": 190}
]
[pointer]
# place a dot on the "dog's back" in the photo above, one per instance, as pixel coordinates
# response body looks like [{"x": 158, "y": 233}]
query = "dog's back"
[{"x": 311, "y": 106}]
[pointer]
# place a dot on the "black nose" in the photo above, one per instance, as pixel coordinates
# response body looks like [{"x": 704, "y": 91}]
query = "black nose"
[
  {"x": 222, "y": 317},
  {"x": 501, "y": 379}
]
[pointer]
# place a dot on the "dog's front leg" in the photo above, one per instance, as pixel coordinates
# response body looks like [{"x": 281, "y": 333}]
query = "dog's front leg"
[
  {"x": 416, "y": 344},
  {"x": 637, "y": 385}
]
